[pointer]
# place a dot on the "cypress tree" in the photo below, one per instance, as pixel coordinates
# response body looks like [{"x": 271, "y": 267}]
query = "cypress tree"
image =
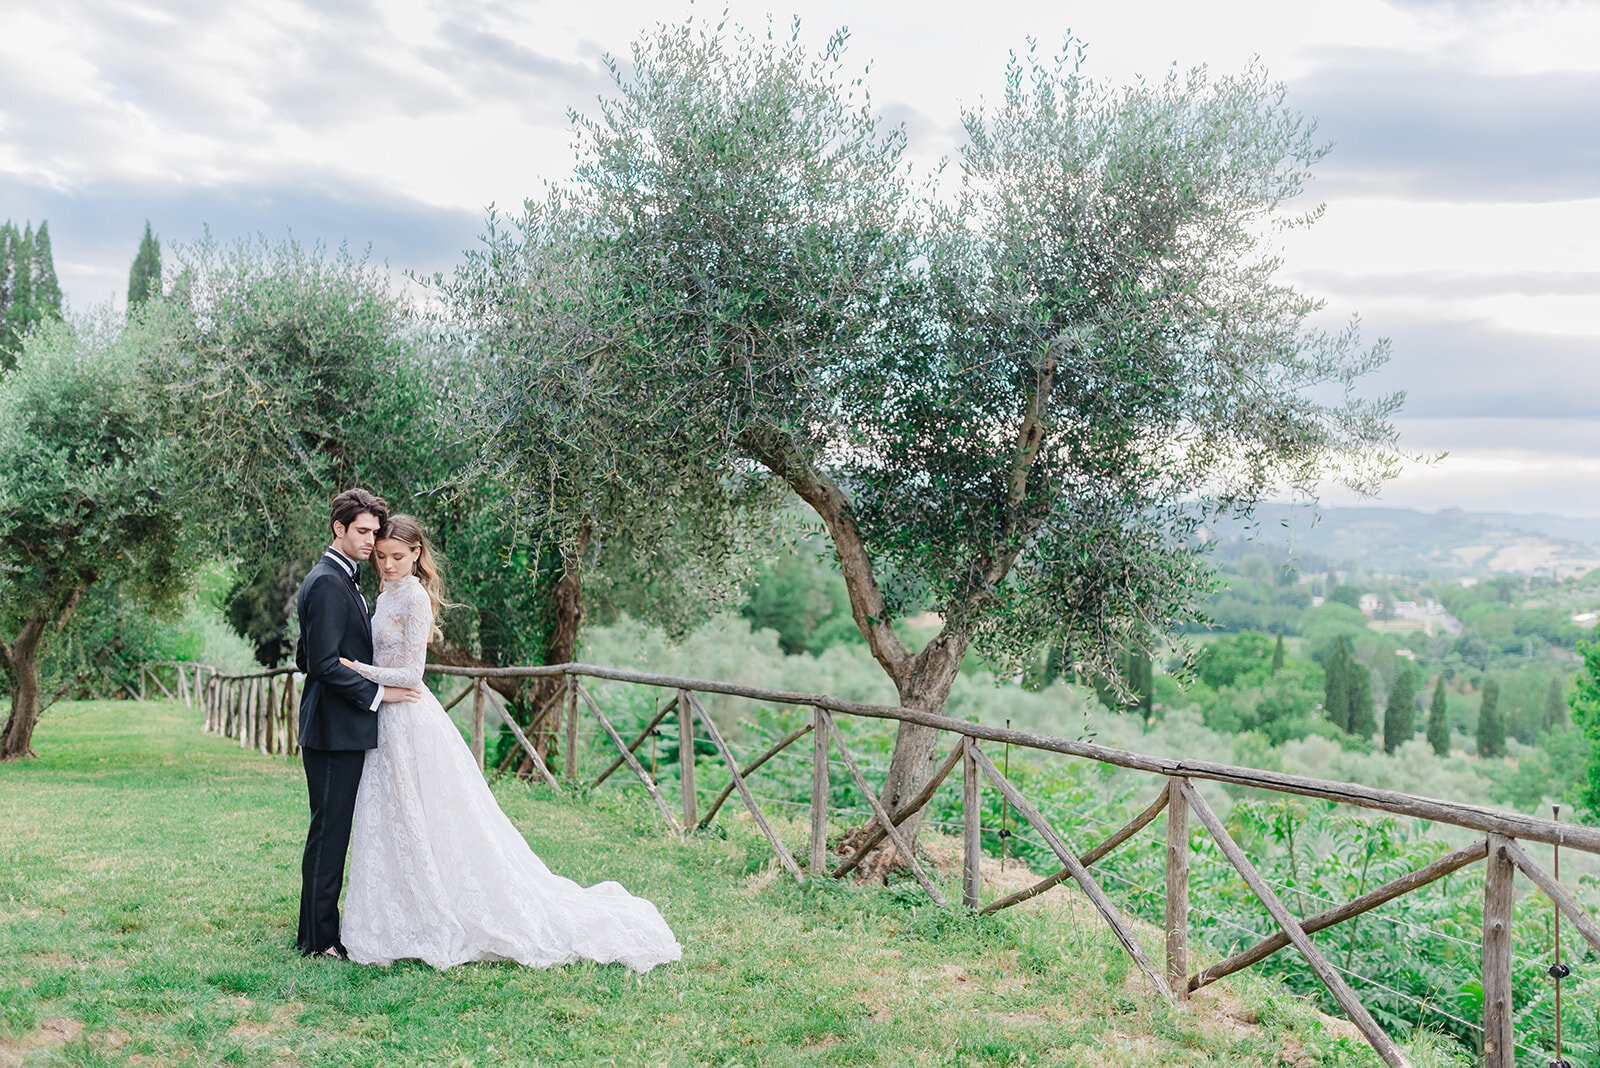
[
  {"x": 1555, "y": 707},
  {"x": 1363, "y": 717},
  {"x": 8, "y": 346},
  {"x": 16, "y": 302},
  {"x": 1491, "y": 729},
  {"x": 1399, "y": 719},
  {"x": 1438, "y": 726},
  {"x": 144, "y": 277},
  {"x": 20, "y": 315},
  {"x": 1277, "y": 653},
  {"x": 1336, "y": 695},
  {"x": 42, "y": 276}
]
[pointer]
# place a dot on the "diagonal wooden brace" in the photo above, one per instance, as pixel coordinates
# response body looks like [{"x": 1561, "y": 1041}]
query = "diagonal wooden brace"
[
  {"x": 633, "y": 762},
  {"x": 1088, "y": 860},
  {"x": 1348, "y": 911},
  {"x": 1376, "y": 1037},
  {"x": 1555, "y": 892},
  {"x": 522, "y": 739},
  {"x": 878, "y": 833},
  {"x": 744, "y": 790},
  {"x": 1080, "y": 874},
  {"x": 881, "y": 813}
]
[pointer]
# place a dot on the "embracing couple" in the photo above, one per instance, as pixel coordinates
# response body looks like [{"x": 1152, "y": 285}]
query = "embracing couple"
[{"x": 437, "y": 871}]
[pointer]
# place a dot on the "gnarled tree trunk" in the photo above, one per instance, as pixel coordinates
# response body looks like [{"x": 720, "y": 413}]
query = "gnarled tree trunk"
[
  {"x": 21, "y": 662},
  {"x": 560, "y": 647}
]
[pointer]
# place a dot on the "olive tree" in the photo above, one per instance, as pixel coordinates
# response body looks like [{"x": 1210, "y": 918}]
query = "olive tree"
[
  {"x": 93, "y": 497},
  {"x": 1013, "y": 404},
  {"x": 590, "y": 458},
  {"x": 298, "y": 371}
]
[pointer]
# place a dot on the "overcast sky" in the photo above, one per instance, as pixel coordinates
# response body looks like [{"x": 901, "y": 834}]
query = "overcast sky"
[{"x": 1463, "y": 191}]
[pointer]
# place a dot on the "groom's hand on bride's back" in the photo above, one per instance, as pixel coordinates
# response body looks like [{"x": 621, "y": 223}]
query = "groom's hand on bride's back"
[{"x": 400, "y": 695}]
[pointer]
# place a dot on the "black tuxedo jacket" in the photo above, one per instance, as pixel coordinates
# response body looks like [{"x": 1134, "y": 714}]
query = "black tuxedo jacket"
[{"x": 336, "y": 707}]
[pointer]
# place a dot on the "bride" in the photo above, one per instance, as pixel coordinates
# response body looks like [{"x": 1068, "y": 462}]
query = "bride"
[{"x": 437, "y": 872}]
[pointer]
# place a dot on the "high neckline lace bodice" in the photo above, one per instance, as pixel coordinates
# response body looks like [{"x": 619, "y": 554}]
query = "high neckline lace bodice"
[{"x": 437, "y": 872}]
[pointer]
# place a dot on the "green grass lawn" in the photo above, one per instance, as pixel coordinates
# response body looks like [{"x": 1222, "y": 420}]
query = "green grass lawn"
[{"x": 149, "y": 879}]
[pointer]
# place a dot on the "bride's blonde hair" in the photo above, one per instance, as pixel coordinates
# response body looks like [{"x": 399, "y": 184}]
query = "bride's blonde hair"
[{"x": 405, "y": 529}]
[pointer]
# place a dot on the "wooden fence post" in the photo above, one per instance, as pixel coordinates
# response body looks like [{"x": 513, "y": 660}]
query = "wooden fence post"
[
  {"x": 1177, "y": 890},
  {"x": 142, "y": 670},
  {"x": 570, "y": 758},
  {"x": 477, "y": 723},
  {"x": 686, "y": 760},
  {"x": 1498, "y": 1048},
  {"x": 971, "y": 826},
  {"x": 247, "y": 711},
  {"x": 273, "y": 707},
  {"x": 263, "y": 713},
  {"x": 821, "y": 793},
  {"x": 293, "y": 745}
]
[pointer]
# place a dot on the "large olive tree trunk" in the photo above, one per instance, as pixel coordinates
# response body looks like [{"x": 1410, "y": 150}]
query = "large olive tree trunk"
[
  {"x": 560, "y": 647},
  {"x": 923, "y": 680},
  {"x": 21, "y": 662}
]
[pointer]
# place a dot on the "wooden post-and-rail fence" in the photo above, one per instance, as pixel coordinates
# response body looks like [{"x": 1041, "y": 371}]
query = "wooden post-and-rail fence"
[{"x": 261, "y": 710}]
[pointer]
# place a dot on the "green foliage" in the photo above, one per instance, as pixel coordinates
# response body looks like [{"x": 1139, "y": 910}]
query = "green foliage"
[
  {"x": 1363, "y": 716},
  {"x": 1349, "y": 596},
  {"x": 94, "y": 495},
  {"x": 29, "y": 292},
  {"x": 289, "y": 376},
  {"x": 1555, "y": 706},
  {"x": 1438, "y": 721},
  {"x": 1491, "y": 733},
  {"x": 144, "y": 277},
  {"x": 1277, "y": 653},
  {"x": 1336, "y": 688},
  {"x": 590, "y": 461},
  {"x": 803, "y": 599},
  {"x": 1585, "y": 703},
  {"x": 294, "y": 372},
  {"x": 1399, "y": 714},
  {"x": 1224, "y": 661}
]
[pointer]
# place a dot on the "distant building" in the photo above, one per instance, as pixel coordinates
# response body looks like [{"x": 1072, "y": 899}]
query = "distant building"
[{"x": 1430, "y": 614}]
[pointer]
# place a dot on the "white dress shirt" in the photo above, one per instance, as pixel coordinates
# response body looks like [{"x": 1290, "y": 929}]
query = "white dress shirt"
[{"x": 349, "y": 567}]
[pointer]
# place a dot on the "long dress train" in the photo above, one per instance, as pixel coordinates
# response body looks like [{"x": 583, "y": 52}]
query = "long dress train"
[{"x": 437, "y": 871}]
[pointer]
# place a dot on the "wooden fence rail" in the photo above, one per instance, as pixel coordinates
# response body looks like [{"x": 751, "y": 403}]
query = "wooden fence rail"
[{"x": 261, "y": 710}]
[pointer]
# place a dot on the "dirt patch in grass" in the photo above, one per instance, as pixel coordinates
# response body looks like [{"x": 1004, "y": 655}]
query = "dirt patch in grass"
[
  {"x": 50, "y": 960},
  {"x": 50, "y": 1034}
]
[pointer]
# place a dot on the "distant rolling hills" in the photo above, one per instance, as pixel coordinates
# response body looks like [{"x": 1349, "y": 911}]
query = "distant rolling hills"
[{"x": 1450, "y": 541}]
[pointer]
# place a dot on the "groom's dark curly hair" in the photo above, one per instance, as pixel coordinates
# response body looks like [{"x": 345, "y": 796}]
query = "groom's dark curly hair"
[{"x": 353, "y": 502}]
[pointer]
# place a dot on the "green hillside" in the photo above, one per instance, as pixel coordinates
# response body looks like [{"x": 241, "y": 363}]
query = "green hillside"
[{"x": 147, "y": 884}]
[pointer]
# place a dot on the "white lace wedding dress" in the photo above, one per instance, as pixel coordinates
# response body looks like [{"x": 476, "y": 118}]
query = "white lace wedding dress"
[{"x": 437, "y": 871}]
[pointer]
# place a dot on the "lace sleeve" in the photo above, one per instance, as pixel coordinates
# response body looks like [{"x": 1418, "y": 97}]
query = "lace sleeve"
[
  {"x": 390, "y": 676},
  {"x": 406, "y": 657}
]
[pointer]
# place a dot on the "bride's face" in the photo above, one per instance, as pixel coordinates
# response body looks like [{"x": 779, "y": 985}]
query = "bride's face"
[{"x": 394, "y": 559}]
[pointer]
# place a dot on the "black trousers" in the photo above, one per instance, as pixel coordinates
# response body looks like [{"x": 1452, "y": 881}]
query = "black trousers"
[{"x": 332, "y": 777}]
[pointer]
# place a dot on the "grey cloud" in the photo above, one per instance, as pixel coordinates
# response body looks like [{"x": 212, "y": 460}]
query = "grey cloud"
[
  {"x": 484, "y": 65},
  {"x": 95, "y": 231},
  {"x": 1455, "y": 369},
  {"x": 1553, "y": 435},
  {"x": 1402, "y": 128},
  {"x": 1451, "y": 284}
]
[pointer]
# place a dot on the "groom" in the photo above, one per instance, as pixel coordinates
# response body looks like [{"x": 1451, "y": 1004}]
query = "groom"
[{"x": 338, "y": 710}]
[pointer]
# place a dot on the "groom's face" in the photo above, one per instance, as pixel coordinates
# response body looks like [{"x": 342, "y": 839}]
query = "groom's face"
[{"x": 356, "y": 540}]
